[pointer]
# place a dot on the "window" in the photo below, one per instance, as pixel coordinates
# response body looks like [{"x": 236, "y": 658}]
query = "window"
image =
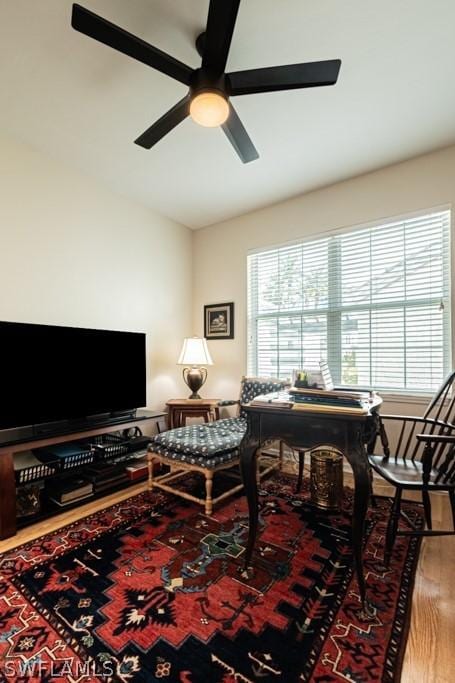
[{"x": 373, "y": 301}]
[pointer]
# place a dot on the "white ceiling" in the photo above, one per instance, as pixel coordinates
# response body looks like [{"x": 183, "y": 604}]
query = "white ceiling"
[{"x": 84, "y": 103}]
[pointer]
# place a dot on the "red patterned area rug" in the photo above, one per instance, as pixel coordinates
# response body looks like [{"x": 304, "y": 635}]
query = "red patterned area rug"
[{"x": 150, "y": 590}]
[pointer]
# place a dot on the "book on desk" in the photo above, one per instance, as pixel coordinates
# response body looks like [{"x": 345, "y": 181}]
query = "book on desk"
[
  {"x": 317, "y": 400},
  {"x": 313, "y": 391}
]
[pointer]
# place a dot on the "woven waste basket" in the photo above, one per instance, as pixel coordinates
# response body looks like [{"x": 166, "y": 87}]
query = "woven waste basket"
[{"x": 326, "y": 479}]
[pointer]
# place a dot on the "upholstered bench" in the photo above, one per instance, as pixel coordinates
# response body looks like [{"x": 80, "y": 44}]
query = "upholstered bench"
[{"x": 207, "y": 448}]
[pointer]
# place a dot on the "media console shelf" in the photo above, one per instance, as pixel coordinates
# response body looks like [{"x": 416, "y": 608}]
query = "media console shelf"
[{"x": 8, "y": 521}]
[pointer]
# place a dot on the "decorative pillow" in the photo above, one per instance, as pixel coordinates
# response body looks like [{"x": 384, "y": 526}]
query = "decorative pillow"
[{"x": 254, "y": 386}]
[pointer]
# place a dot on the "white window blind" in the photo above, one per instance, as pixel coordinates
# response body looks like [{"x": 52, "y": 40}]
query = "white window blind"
[{"x": 374, "y": 302}]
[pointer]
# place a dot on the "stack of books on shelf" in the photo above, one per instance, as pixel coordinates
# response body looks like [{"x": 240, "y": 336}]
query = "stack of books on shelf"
[
  {"x": 138, "y": 470},
  {"x": 105, "y": 475},
  {"x": 70, "y": 490}
]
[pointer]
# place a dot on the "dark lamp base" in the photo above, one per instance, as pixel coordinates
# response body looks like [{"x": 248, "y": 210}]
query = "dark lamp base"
[{"x": 194, "y": 379}]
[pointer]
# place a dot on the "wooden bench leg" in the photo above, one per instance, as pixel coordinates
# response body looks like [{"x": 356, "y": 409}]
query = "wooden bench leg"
[
  {"x": 150, "y": 469},
  {"x": 208, "y": 492}
]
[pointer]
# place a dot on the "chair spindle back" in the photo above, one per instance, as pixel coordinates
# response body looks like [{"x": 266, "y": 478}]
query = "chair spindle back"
[{"x": 440, "y": 419}]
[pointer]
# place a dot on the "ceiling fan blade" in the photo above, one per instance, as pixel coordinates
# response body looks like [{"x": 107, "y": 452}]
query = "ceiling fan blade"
[
  {"x": 239, "y": 138},
  {"x": 165, "y": 124},
  {"x": 309, "y": 75},
  {"x": 100, "y": 29},
  {"x": 218, "y": 35}
]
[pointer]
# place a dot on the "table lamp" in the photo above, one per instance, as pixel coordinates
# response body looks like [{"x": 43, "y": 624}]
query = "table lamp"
[{"x": 194, "y": 353}]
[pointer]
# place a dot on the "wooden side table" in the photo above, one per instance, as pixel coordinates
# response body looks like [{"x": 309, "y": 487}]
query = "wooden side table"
[{"x": 182, "y": 408}]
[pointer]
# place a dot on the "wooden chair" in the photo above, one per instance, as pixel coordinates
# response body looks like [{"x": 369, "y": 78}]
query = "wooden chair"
[
  {"x": 208, "y": 448},
  {"x": 423, "y": 460}
]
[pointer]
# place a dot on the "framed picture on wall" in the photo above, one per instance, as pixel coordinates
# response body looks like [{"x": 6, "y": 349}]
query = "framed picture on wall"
[{"x": 219, "y": 321}]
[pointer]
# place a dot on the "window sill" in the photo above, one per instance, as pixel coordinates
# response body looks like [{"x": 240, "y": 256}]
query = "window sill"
[
  {"x": 395, "y": 396},
  {"x": 411, "y": 399}
]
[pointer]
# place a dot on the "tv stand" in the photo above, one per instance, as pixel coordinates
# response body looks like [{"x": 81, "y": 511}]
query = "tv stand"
[
  {"x": 8, "y": 524},
  {"x": 123, "y": 414}
]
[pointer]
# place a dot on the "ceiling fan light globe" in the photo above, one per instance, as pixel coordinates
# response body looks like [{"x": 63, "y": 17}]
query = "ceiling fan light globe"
[{"x": 209, "y": 109}]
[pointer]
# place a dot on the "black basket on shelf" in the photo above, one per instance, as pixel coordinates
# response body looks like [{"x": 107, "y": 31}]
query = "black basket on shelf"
[
  {"x": 77, "y": 460},
  {"x": 27, "y": 475},
  {"x": 66, "y": 456},
  {"x": 110, "y": 447}
]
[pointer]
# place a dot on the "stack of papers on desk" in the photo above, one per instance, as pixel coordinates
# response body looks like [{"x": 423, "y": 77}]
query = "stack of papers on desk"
[
  {"x": 313, "y": 400},
  {"x": 333, "y": 400},
  {"x": 278, "y": 399},
  {"x": 332, "y": 408},
  {"x": 347, "y": 394}
]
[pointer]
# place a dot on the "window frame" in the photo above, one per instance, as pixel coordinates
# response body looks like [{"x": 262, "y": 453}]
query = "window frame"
[{"x": 335, "y": 349}]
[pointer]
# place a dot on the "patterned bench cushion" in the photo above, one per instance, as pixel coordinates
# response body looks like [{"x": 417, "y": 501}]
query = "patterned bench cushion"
[
  {"x": 207, "y": 445},
  {"x": 229, "y": 424},
  {"x": 213, "y": 443}
]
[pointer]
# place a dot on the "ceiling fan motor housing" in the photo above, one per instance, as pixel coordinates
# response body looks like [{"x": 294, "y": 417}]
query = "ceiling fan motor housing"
[{"x": 204, "y": 81}]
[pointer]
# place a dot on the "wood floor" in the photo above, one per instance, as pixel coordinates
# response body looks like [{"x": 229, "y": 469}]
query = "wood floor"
[{"x": 430, "y": 654}]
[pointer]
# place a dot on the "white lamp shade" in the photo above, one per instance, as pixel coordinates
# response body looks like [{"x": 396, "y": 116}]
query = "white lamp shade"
[{"x": 194, "y": 352}]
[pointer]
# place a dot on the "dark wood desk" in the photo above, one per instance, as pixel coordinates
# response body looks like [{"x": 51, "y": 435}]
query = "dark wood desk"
[{"x": 303, "y": 430}]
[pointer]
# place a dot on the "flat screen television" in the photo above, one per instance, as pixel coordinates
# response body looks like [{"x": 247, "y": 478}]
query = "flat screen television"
[{"x": 50, "y": 374}]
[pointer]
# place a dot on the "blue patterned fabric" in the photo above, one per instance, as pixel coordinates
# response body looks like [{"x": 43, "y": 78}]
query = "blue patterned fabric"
[
  {"x": 207, "y": 445},
  {"x": 213, "y": 443},
  {"x": 231, "y": 424},
  {"x": 255, "y": 386}
]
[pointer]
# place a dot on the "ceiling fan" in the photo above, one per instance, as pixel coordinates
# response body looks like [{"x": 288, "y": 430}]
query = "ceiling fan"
[{"x": 210, "y": 88}]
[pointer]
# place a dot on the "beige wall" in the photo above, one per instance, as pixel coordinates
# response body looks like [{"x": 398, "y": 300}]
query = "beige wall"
[
  {"x": 220, "y": 251},
  {"x": 73, "y": 253}
]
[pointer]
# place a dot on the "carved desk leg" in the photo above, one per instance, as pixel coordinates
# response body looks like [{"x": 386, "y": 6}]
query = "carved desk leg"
[
  {"x": 376, "y": 430},
  {"x": 357, "y": 458},
  {"x": 7, "y": 496},
  {"x": 248, "y": 467}
]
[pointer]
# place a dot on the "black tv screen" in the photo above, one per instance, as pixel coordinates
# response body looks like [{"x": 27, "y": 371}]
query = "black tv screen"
[{"x": 50, "y": 373}]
